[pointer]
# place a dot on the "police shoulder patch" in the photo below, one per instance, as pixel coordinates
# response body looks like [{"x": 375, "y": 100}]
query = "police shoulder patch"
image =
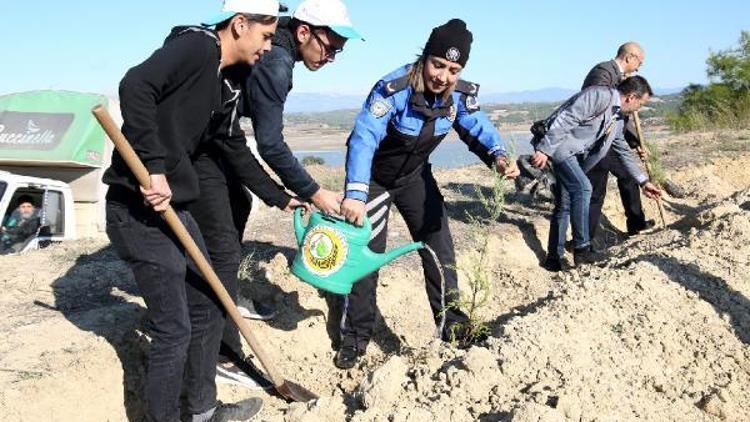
[
  {"x": 379, "y": 107},
  {"x": 396, "y": 85},
  {"x": 472, "y": 103},
  {"x": 468, "y": 88}
]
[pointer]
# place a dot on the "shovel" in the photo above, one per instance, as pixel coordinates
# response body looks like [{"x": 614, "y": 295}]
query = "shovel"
[
  {"x": 289, "y": 390},
  {"x": 648, "y": 166}
]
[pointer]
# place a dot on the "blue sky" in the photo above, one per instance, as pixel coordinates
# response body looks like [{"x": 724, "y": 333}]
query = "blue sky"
[{"x": 518, "y": 45}]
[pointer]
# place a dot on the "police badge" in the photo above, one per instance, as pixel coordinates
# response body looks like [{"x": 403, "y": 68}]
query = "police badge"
[
  {"x": 379, "y": 108},
  {"x": 453, "y": 54},
  {"x": 452, "y": 113}
]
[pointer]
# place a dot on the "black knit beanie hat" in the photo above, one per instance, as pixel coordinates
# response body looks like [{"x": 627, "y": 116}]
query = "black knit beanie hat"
[{"x": 451, "y": 41}]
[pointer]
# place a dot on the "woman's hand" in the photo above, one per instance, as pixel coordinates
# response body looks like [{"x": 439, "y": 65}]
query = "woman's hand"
[
  {"x": 354, "y": 211},
  {"x": 509, "y": 170}
]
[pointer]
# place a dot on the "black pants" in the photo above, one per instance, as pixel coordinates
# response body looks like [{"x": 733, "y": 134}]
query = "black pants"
[
  {"x": 184, "y": 316},
  {"x": 421, "y": 205},
  {"x": 213, "y": 213},
  {"x": 630, "y": 193}
]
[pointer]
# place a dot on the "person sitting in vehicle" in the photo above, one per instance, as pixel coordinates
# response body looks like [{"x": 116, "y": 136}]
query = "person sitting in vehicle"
[{"x": 20, "y": 225}]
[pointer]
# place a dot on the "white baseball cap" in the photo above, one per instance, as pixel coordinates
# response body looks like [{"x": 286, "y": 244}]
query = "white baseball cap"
[
  {"x": 330, "y": 13},
  {"x": 251, "y": 7}
]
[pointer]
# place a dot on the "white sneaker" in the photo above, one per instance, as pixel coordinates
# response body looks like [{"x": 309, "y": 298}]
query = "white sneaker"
[
  {"x": 251, "y": 379},
  {"x": 251, "y": 309}
]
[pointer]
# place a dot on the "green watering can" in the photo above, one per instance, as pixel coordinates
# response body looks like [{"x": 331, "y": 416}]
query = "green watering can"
[{"x": 333, "y": 253}]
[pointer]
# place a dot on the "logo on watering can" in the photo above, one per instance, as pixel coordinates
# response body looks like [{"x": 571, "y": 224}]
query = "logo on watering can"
[{"x": 324, "y": 251}]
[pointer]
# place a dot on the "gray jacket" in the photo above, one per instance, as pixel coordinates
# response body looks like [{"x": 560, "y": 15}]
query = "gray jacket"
[
  {"x": 578, "y": 128},
  {"x": 609, "y": 74}
]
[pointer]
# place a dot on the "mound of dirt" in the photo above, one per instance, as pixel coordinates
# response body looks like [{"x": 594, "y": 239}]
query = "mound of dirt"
[{"x": 659, "y": 333}]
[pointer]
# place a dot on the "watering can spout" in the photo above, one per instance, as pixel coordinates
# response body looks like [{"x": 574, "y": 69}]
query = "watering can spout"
[{"x": 377, "y": 260}]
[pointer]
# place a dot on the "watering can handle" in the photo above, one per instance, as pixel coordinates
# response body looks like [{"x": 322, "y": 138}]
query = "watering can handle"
[
  {"x": 299, "y": 228},
  {"x": 333, "y": 217}
]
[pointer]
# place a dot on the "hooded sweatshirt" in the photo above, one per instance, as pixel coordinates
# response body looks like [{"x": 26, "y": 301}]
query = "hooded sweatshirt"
[{"x": 169, "y": 104}]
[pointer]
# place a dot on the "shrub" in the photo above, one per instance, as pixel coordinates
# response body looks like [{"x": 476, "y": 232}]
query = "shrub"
[
  {"x": 725, "y": 102},
  {"x": 312, "y": 160}
]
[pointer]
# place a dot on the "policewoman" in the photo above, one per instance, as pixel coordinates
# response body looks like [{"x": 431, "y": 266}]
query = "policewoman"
[{"x": 405, "y": 117}]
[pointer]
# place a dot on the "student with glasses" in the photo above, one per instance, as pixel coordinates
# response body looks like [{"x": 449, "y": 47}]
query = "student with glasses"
[{"x": 314, "y": 35}]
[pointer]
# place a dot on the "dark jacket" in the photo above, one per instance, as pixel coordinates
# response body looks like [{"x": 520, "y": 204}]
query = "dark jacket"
[
  {"x": 169, "y": 103},
  {"x": 608, "y": 74},
  {"x": 265, "y": 92},
  {"x": 603, "y": 74},
  {"x": 17, "y": 230}
]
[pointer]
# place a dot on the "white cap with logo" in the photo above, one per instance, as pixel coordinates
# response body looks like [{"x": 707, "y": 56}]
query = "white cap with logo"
[
  {"x": 329, "y": 13},
  {"x": 250, "y": 7}
]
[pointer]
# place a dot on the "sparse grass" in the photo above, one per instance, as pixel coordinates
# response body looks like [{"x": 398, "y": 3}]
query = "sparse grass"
[
  {"x": 25, "y": 375},
  {"x": 246, "y": 269},
  {"x": 332, "y": 180},
  {"x": 658, "y": 174}
]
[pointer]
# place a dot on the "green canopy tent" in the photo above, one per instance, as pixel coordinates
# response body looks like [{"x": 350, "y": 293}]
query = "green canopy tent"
[{"x": 51, "y": 128}]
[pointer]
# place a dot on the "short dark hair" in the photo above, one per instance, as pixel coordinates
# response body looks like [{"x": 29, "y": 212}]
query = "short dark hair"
[
  {"x": 637, "y": 85},
  {"x": 262, "y": 19}
]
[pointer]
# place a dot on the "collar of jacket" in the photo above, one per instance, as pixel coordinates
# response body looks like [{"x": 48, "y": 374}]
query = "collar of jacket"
[
  {"x": 439, "y": 109},
  {"x": 618, "y": 70},
  {"x": 284, "y": 38}
]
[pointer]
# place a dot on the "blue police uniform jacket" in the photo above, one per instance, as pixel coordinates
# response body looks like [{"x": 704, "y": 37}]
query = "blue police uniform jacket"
[{"x": 397, "y": 129}]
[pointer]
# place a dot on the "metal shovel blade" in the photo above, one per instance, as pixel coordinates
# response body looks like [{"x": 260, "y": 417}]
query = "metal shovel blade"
[{"x": 295, "y": 392}]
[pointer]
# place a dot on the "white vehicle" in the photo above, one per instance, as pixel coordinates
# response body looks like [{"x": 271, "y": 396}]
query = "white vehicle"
[
  {"x": 52, "y": 218},
  {"x": 52, "y": 155}
]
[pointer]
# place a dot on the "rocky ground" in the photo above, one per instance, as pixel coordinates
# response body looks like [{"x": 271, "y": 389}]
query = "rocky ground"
[{"x": 660, "y": 332}]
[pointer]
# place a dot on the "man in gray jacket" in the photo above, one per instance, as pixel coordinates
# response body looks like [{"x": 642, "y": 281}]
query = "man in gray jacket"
[
  {"x": 630, "y": 57},
  {"x": 578, "y": 135}
]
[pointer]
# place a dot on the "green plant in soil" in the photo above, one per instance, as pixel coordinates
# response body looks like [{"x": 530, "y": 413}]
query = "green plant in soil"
[{"x": 477, "y": 269}]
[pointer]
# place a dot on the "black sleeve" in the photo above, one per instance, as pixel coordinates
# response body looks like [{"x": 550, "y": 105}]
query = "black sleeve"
[
  {"x": 248, "y": 170},
  {"x": 144, "y": 85},
  {"x": 266, "y": 92},
  {"x": 24, "y": 231}
]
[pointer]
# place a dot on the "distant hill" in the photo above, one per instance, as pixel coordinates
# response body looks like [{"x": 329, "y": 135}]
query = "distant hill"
[
  {"x": 310, "y": 102},
  {"x": 505, "y": 112}
]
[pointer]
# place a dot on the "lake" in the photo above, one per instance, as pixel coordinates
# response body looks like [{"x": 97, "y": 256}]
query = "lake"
[{"x": 451, "y": 153}]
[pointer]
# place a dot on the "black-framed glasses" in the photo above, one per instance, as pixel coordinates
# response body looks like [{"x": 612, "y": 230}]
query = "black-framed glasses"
[{"x": 328, "y": 49}]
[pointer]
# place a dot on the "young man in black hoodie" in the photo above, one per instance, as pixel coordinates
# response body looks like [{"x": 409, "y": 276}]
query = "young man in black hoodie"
[
  {"x": 173, "y": 105},
  {"x": 316, "y": 33}
]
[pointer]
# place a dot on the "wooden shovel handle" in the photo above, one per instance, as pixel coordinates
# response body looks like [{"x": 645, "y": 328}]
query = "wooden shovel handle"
[{"x": 192, "y": 249}]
